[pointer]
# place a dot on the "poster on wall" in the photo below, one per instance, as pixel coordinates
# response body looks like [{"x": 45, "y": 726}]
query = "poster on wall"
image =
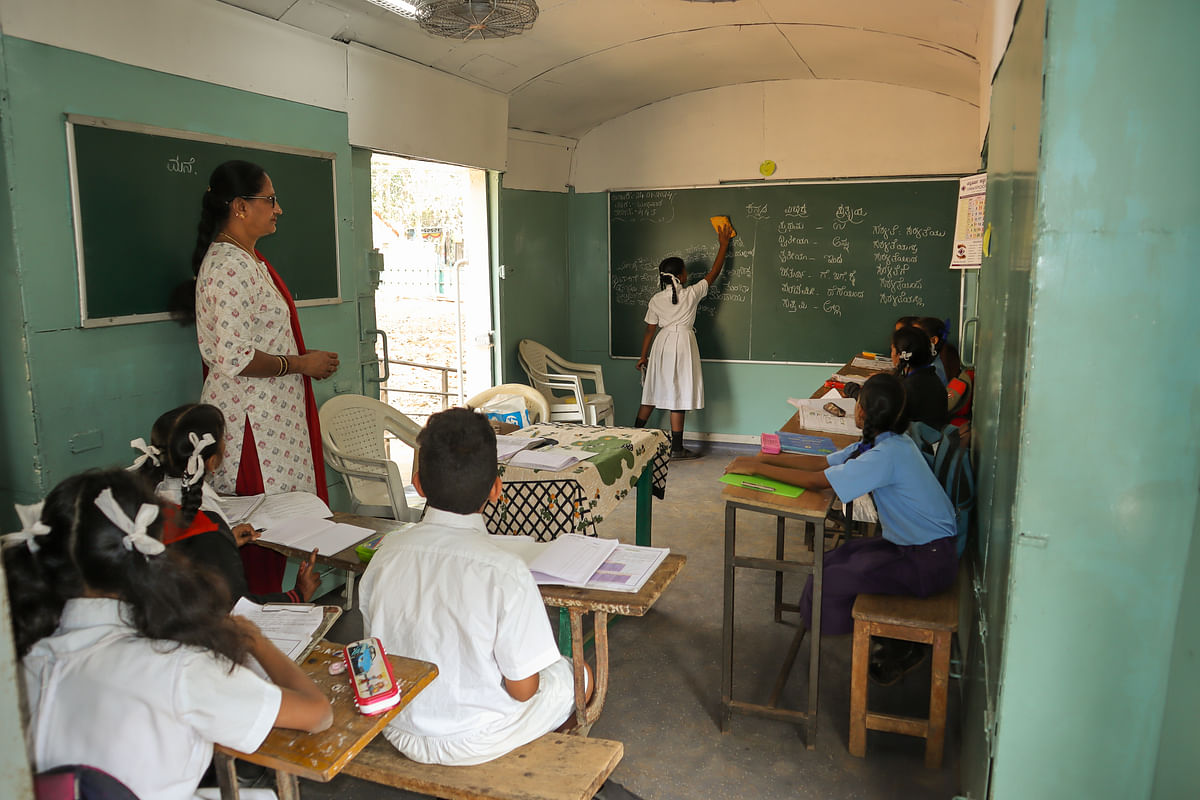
[{"x": 968, "y": 226}]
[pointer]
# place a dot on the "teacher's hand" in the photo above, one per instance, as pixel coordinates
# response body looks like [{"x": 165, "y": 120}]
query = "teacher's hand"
[{"x": 317, "y": 364}]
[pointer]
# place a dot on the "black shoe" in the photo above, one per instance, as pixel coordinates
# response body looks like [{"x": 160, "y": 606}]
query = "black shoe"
[
  {"x": 683, "y": 454},
  {"x": 895, "y": 662}
]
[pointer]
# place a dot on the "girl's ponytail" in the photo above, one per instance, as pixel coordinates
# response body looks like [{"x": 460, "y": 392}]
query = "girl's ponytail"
[
  {"x": 883, "y": 401},
  {"x": 188, "y": 436},
  {"x": 913, "y": 349}
]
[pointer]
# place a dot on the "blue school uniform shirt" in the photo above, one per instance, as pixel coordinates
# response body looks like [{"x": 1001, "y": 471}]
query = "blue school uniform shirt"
[{"x": 913, "y": 508}]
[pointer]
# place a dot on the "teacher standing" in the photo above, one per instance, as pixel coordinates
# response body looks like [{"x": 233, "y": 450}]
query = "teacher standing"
[{"x": 258, "y": 370}]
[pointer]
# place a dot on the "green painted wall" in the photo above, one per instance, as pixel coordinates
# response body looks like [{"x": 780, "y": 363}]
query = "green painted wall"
[
  {"x": 533, "y": 291},
  {"x": 98, "y": 388},
  {"x": 1106, "y": 500},
  {"x": 744, "y": 399}
]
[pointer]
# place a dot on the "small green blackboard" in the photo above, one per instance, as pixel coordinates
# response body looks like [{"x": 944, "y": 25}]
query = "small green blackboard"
[
  {"x": 816, "y": 271},
  {"x": 137, "y": 193}
]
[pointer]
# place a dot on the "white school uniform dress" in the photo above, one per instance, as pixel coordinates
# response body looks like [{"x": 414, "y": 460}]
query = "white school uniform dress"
[
  {"x": 147, "y": 712},
  {"x": 673, "y": 379},
  {"x": 239, "y": 310},
  {"x": 442, "y": 592}
]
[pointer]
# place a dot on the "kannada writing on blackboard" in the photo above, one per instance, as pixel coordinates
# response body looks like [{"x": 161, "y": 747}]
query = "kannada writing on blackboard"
[{"x": 645, "y": 206}]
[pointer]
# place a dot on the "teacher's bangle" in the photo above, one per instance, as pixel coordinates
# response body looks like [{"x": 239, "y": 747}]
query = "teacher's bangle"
[{"x": 282, "y": 366}]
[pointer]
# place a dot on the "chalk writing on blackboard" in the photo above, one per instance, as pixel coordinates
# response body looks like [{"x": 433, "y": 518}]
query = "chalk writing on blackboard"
[
  {"x": 655, "y": 206},
  {"x": 176, "y": 164}
]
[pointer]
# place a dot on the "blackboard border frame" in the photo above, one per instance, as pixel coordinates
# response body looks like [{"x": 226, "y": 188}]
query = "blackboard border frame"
[
  {"x": 750, "y": 183},
  {"x": 71, "y": 120}
]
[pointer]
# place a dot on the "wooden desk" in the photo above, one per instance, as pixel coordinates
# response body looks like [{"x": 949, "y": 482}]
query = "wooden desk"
[
  {"x": 572, "y": 602},
  {"x": 601, "y": 604},
  {"x": 321, "y": 756},
  {"x": 811, "y": 507}
]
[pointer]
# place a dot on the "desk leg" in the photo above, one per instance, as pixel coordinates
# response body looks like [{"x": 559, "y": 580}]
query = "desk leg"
[
  {"x": 349, "y": 604},
  {"x": 288, "y": 785},
  {"x": 587, "y": 713},
  {"x": 727, "y": 620},
  {"x": 564, "y": 632},
  {"x": 645, "y": 495},
  {"x": 814, "y": 625},
  {"x": 226, "y": 769},
  {"x": 779, "y": 574}
]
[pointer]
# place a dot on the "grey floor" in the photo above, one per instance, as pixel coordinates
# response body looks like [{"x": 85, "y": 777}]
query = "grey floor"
[{"x": 664, "y": 694}]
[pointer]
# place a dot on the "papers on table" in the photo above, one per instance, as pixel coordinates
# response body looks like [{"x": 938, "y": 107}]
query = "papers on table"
[
  {"x": 289, "y": 626},
  {"x": 276, "y": 508},
  {"x": 814, "y": 417},
  {"x": 507, "y": 444},
  {"x": 585, "y": 561},
  {"x": 238, "y": 509},
  {"x": 551, "y": 458},
  {"x": 305, "y": 533},
  {"x": 876, "y": 364}
]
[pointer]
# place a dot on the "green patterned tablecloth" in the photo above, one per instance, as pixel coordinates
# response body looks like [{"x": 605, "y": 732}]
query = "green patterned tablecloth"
[{"x": 546, "y": 504}]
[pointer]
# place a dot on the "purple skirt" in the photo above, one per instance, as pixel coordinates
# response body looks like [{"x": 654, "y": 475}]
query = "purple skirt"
[{"x": 878, "y": 566}]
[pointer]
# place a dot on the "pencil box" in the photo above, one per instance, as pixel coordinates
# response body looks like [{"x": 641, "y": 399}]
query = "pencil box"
[
  {"x": 769, "y": 444},
  {"x": 375, "y": 689}
]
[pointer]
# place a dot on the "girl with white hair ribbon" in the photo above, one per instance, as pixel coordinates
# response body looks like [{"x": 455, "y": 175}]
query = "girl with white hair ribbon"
[
  {"x": 671, "y": 359},
  {"x": 190, "y": 441},
  {"x": 128, "y": 652}
]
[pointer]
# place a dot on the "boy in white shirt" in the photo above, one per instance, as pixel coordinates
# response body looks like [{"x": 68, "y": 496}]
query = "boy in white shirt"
[{"x": 442, "y": 592}]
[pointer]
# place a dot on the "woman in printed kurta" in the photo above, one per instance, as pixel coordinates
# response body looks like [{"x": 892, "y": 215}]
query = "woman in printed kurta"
[{"x": 258, "y": 369}]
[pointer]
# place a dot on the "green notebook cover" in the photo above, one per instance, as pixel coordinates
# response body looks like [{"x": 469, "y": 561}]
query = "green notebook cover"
[{"x": 759, "y": 484}]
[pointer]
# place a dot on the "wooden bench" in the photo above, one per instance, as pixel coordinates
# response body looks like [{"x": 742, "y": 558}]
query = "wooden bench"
[
  {"x": 931, "y": 620},
  {"x": 556, "y": 766}
]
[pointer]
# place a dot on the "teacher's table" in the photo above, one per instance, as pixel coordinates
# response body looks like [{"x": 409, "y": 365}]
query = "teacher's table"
[
  {"x": 546, "y": 504},
  {"x": 572, "y": 603},
  {"x": 321, "y": 756},
  {"x": 811, "y": 508}
]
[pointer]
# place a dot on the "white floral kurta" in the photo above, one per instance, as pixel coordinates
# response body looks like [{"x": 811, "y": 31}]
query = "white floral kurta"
[{"x": 239, "y": 310}]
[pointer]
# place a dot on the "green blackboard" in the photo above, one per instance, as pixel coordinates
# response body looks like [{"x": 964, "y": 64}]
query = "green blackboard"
[
  {"x": 137, "y": 194},
  {"x": 815, "y": 271}
]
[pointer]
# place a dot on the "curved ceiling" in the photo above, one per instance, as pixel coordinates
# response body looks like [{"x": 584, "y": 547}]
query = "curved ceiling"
[{"x": 588, "y": 61}]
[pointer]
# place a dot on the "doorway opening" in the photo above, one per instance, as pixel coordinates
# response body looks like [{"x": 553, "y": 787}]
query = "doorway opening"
[{"x": 434, "y": 298}]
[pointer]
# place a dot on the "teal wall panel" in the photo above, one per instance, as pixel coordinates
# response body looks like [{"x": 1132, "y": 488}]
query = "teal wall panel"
[
  {"x": 533, "y": 291},
  {"x": 117, "y": 380},
  {"x": 1106, "y": 496}
]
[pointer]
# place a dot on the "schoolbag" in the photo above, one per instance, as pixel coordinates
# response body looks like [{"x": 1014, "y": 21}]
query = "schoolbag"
[{"x": 951, "y": 464}]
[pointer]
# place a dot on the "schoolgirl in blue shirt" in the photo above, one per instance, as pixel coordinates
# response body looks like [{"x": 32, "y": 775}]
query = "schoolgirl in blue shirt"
[{"x": 916, "y": 554}]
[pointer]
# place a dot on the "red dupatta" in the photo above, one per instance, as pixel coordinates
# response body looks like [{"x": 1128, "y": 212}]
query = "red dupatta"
[{"x": 310, "y": 403}]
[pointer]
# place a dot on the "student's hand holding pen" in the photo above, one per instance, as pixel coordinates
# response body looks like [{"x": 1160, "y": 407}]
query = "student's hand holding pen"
[
  {"x": 307, "y": 579},
  {"x": 245, "y": 533}
]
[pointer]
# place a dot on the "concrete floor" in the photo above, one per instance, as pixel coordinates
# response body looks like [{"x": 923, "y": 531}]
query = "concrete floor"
[{"x": 664, "y": 695}]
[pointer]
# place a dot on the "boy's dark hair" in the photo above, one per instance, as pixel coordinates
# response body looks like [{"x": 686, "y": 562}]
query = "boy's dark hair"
[
  {"x": 167, "y": 598},
  {"x": 916, "y": 343},
  {"x": 456, "y": 460}
]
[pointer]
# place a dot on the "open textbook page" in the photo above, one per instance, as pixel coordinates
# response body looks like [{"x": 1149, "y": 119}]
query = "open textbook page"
[
  {"x": 289, "y": 626},
  {"x": 305, "y": 533},
  {"x": 275, "y": 508},
  {"x": 592, "y": 563}
]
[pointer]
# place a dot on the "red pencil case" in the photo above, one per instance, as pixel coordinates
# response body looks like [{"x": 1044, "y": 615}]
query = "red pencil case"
[{"x": 375, "y": 689}]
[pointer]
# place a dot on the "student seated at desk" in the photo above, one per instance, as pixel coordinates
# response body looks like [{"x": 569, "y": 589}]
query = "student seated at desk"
[
  {"x": 913, "y": 355},
  {"x": 916, "y": 554},
  {"x": 441, "y": 592},
  {"x": 130, "y": 661},
  {"x": 187, "y": 445}
]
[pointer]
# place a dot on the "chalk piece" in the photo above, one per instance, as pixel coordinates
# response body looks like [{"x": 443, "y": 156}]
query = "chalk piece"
[{"x": 721, "y": 221}]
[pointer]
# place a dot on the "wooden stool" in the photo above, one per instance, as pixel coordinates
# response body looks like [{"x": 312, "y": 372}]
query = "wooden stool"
[{"x": 930, "y": 620}]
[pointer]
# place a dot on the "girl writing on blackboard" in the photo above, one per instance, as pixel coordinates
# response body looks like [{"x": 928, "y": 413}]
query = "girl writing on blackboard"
[
  {"x": 671, "y": 360},
  {"x": 916, "y": 555}
]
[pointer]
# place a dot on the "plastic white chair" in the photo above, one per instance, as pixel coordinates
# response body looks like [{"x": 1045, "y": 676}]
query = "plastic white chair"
[
  {"x": 535, "y": 402},
  {"x": 352, "y": 430},
  {"x": 549, "y": 371}
]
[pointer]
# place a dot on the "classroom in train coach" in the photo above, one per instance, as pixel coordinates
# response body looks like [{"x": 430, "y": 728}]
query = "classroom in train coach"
[{"x": 594, "y": 141}]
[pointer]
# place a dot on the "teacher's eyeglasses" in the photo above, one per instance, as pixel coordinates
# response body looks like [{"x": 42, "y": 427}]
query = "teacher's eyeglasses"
[{"x": 269, "y": 197}]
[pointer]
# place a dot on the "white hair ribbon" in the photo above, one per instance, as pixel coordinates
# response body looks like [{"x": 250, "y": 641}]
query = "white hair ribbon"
[
  {"x": 135, "y": 529},
  {"x": 149, "y": 451},
  {"x": 31, "y": 526},
  {"x": 195, "y": 466},
  {"x": 933, "y": 349},
  {"x": 905, "y": 356}
]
